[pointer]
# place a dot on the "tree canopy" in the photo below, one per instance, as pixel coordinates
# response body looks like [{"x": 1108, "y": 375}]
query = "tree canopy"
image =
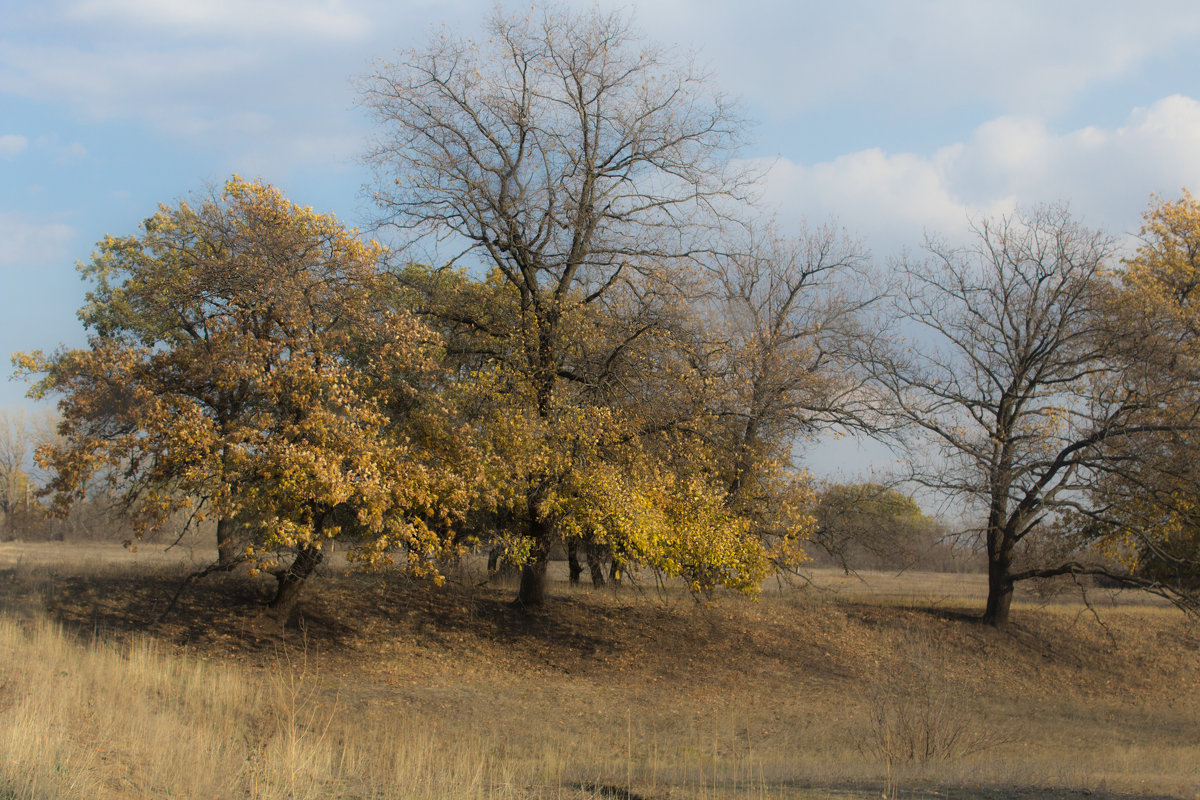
[
  {"x": 872, "y": 522},
  {"x": 243, "y": 364},
  {"x": 582, "y": 170},
  {"x": 1023, "y": 385},
  {"x": 1143, "y": 511}
]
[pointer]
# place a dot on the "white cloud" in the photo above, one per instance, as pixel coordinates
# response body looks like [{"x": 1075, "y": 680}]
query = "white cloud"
[
  {"x": 1022, "y": 56},
  {"x": 1106, "y": 175},
  {"x": 12, "y": 144},
  {"x": 71, "y": 152},
  {"x": 109, "y": 81},
  {"x": 330, "y": 20},
  {"x": 222, "y": 92},
  {"x": 26, "y": 242}
]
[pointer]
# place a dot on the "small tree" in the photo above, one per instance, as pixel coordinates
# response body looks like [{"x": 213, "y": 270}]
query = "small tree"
[
  {"x": 871, "y": 523},
  {"x": 21, "y": 433},
  {"x": 243, "y": 364}
]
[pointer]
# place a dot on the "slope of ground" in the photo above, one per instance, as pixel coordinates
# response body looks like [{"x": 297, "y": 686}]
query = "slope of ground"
[{"x": 400, "y": 689}]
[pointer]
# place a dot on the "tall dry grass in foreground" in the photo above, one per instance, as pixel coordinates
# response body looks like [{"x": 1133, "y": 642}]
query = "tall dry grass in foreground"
[
  {"x": 98, "y": 720},
  {"x": 104, "y": 720},
  {"x": 397, "y": 690}
]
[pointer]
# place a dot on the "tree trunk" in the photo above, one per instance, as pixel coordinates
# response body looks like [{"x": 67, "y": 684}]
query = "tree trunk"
[
  {"x": 532, "y": 593},
  {"x": 595, "y": 565},
  {"x": 745, "y": 451},
  {"x": 291, "y": 580},
  {"x": 1001, "y": 527},
  {"x": 614, "y": 571},
  {"x": 573, "y": 561},
  {"x": 1000, "y": 594},
  {"x": 1000, "y": 585},
  {"x": 226, "y": 543}
]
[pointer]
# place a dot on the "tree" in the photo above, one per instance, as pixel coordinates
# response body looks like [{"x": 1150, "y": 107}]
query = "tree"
[
  {"x": 785, "y": 327},
  {"x": 243, "y": 364},
  {"x": 614, "y": 464},
  {"x": 1145, "y": 512},
  {"x": 14, "y": 453},
  {"x": 14, "y": 457},
  {"x": 21, "y": 433},
  {"x": 1016, "y": 382},
  {"x": 871, "y": 522},
  {"x": 572, "y": 163}
]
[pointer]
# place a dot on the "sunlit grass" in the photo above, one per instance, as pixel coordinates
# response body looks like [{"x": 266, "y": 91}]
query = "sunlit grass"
[{"x": 777, "y": 702}]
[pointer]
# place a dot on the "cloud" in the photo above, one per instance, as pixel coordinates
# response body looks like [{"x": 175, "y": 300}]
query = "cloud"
[
  {"x": 221, "y": 76},
  {"x": 71, "y": 152},
  {"x": 1027, "y": 56},
  {"x": 1106, "y": 175},
  {"x": 106, "y": 81},
  {"x": 238, "y": 18},
  {"x": 26, "y": 242},
  {"x": 12, "y": 144}
]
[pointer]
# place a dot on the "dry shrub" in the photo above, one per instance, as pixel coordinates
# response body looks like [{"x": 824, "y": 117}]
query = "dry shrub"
[{"x": 917, "y": 715}]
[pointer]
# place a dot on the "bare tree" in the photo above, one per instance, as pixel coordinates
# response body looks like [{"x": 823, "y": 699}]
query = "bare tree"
[
  {"x": 793, "y": 320},
  {"x": 1014, "y": 377},
  {"x": 21, "y": 433},
  {"x": 15, "y": 451},
  {"x": 566, "y": 155}
]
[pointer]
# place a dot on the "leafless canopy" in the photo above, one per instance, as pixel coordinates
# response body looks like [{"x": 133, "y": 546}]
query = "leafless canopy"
[
  {"x": 795, "y": 308},
  {"x": 561, "y": 150},
  {"x": 1015, "y": 374}
]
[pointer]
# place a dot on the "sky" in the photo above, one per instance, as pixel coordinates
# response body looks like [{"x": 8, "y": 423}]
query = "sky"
[{"x": 892, "y": 119}]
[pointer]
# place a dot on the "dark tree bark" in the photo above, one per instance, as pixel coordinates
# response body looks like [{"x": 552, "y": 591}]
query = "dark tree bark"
[
  {"x": 227, "y": 545},
  {"x": 573, "y": 561},
  {"x": 532, "y": 593},
  {"x": 616, "y": 569},
  {"x": 1000, "y": 597},
  {"x": 595, "y": 564},
  {"x": 291, "y": 580}
]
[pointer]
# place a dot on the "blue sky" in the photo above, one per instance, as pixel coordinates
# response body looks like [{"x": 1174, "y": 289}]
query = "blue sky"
[{"x": 893, "y": 118}]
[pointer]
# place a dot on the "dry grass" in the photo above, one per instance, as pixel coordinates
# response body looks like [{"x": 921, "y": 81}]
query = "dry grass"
[{"x": 393, "y": 689}]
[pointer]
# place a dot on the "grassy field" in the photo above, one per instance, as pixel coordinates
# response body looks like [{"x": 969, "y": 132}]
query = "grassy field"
[{"x": 844, "y": 688}]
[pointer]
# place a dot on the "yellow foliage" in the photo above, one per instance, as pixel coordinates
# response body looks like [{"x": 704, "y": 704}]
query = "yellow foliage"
[
  {"x": 244, "y": 361},
  {"x": 1154, "y": 527}
]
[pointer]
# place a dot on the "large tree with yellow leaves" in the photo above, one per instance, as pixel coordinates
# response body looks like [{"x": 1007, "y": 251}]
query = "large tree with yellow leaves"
[
  {"x": 627, "y": 457},
  {"x": 1145, "y": 509},
  {"x": 245, "y": 363},
  {"x": 576, "y": 172}
]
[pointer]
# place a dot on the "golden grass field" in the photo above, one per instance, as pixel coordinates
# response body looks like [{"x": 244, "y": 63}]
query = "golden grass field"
[{"x": 392, "y": 689}]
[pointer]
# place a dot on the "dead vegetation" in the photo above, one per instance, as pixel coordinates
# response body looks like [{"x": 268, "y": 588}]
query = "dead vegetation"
[{"x": 391, "y": 688}]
